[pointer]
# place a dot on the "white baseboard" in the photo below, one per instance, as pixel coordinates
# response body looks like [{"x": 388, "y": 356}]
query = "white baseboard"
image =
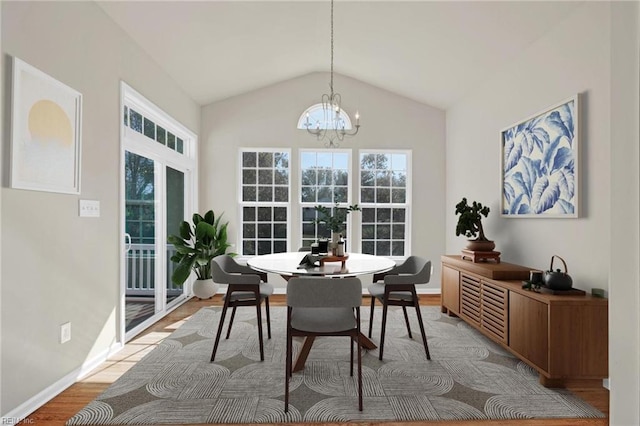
[
  {"x": 605, "y": 383},
  {"x": 21, "y": 412}
]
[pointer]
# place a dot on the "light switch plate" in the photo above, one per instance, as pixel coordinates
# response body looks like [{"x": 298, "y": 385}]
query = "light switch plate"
[
  {"x": 89, "y": 208},
  {"x": 65, "y": 332}
]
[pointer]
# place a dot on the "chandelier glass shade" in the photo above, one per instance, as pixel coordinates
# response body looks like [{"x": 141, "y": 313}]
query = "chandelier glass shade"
[{"x": 333, "y": 124}]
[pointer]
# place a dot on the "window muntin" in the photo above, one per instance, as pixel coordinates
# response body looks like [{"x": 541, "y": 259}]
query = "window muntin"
[
  {"x": 152, "y": 130},
  {"x": 384, "y": 199},
  {"x": 265, "y": 200},
  {"x": 384, "y": 231},
  {"x": 312, "y": 231},
  {"x": 324, "y": 177},
  {"x": 316, "y": 117},
  {"x": 324, "y": 180}
]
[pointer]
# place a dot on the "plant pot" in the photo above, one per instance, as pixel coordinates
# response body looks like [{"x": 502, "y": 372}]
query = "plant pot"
[
  {"x": 480, "y": 245},
  {"x": 204, "y": 289},
  {"x": 335, "y": 239}
]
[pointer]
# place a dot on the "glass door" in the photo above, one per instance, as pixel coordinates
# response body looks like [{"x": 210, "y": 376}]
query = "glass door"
[
  {"x": 175, "y": 214},
  {"x": 158, "y": 192},
  {"x": 140, "y": 233},
  {"x": 155, "y": 201}
]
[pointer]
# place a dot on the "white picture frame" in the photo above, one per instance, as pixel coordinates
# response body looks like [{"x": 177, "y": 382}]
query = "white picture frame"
[
  {"x": 540, "y": 164},
  {"x": 46, "y": 129}
]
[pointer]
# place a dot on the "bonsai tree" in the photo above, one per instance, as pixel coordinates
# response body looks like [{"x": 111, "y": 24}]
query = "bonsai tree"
[
  {"x": 470, "y": 220},
  {"x": 335, "y": 222},
  {"x": 197, "y": 244}
]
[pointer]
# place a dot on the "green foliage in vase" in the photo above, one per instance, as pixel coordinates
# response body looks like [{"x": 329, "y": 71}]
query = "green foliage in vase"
[
  {"x": 335, "y": 221},
  {"x": 470, "y": 220},
  {"x": 197, "y": 244}
]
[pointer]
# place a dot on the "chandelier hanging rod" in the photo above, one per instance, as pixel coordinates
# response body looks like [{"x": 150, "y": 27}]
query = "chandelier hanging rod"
[{"x": 333, "y": 129}]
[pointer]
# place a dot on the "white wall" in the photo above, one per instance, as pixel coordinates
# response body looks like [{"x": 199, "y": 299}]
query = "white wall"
[
  {"x": 2, "y": 127},
  {"x": 268, "y": 117},
  {"x": 58, "y": 267},
  {"x": 593, "y": 52},
  {"x": 624, "y": 303},
  {"x": 572, "y": 58}
]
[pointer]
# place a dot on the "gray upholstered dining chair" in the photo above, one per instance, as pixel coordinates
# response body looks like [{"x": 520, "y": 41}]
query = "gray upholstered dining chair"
[
  {"x": 320, "y": 306},
  {"x": 399, "y": 289},
  {"x": 246, "y": 287}
]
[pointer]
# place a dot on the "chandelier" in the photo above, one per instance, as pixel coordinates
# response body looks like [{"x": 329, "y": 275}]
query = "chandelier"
[{"x": 333, "y": 128}]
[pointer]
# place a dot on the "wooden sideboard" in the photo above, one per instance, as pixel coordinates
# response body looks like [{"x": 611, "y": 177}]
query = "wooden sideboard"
[{"x": 565, "y": 338}]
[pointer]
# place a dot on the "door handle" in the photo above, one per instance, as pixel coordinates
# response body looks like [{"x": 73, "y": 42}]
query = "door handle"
[{"x": 127, "y": 243}]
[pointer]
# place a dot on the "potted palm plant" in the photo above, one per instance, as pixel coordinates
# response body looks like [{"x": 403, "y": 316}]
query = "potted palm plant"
[
  {"x": 195, "y": 246},
  {"x": 470, "y": 225}
]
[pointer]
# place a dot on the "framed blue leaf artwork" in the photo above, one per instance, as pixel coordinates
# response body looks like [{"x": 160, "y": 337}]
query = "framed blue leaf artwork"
[{"x": 540, "y": 164}]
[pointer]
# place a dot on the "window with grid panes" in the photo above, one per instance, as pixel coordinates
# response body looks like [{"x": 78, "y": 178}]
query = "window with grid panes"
[
  {"x": 265, "y": 204},
  {"x": 148, "y": 127},
  {"x": 324, "y": 180},
  {"x": 385, "y": 201}
]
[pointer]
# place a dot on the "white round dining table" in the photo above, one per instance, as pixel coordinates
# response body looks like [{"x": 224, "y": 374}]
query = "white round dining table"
[{"x": 288, "y": 264}]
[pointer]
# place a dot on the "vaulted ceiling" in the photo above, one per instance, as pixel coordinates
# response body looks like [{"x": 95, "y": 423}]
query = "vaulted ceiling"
[{"x": 430, "y": 51}]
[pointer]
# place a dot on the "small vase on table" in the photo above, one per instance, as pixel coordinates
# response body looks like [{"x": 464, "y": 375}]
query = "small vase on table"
[{"x": 335, "y": 239}]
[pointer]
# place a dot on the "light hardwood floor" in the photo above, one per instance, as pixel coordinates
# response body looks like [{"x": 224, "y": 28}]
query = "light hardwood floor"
[{"x": 57, "y": 411}]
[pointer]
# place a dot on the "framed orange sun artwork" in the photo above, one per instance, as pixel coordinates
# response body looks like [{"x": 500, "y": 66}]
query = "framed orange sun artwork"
[{"x": 46, "y": 126}]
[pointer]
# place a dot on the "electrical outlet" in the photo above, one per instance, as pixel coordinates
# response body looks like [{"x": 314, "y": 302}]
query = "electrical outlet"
[
  {"x": 89, "y": 208},
  {"x": 65, "y": 332}
]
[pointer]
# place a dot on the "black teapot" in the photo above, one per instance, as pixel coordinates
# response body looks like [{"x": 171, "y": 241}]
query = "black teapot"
[{"x": 557, "y": 280}]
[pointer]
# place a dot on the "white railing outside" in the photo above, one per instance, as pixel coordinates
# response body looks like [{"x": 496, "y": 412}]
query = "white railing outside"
[{"x": 141, "y": 268}]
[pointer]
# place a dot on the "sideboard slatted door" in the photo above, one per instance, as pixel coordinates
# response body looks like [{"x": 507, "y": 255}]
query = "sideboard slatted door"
[
  {"x": 470, "y": 303},
  {"x": 495, "y": 306}
]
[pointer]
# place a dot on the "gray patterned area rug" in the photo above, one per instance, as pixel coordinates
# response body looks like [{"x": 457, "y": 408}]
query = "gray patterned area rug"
[{"x": 469, "y": 377}]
